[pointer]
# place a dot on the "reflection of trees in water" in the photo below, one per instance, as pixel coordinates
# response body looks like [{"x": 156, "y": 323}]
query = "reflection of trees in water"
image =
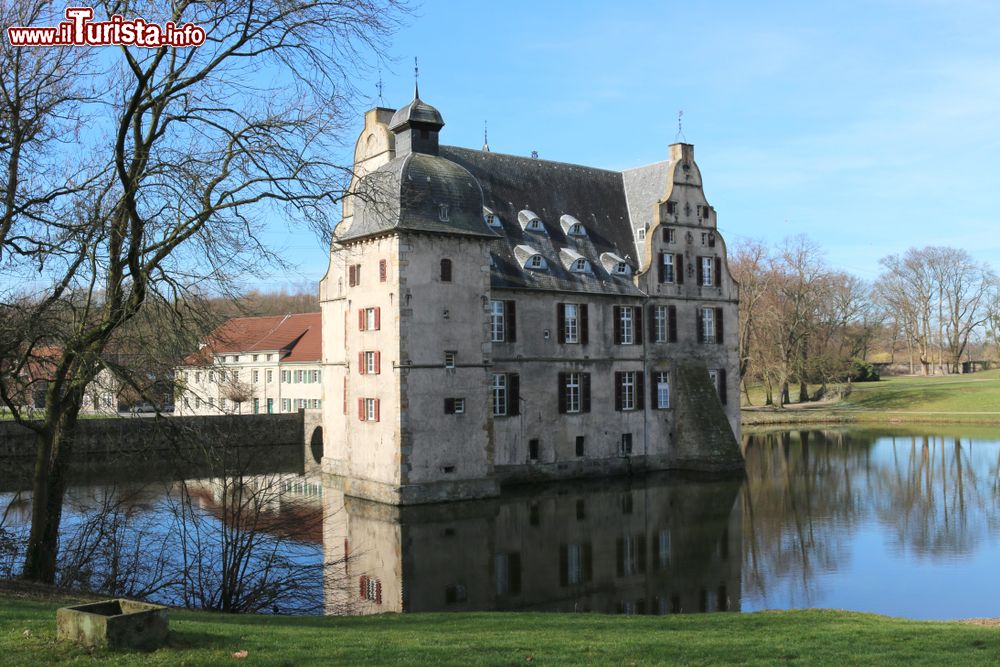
[
  {"x": 935, "y": 496},
  {"x": 799, "y": 506},
  {"x": 807, "y": 492}
]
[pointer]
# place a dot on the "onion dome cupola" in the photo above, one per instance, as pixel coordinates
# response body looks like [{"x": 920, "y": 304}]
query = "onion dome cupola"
[{"x": 416, "y": 127}]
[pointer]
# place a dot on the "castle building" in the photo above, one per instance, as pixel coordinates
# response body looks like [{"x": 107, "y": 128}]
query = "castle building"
[
  {"x": 254, "y": 365},
  {"x": 489, "y": 318}
]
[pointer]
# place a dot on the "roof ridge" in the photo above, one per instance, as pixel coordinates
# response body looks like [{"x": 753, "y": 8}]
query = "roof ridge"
[{"x": 533, "y": 159}]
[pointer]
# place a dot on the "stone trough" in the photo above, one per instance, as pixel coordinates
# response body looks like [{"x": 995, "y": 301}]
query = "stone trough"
[{"x": 114, "y": 623}]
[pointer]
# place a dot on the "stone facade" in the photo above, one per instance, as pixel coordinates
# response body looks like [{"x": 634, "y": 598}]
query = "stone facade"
[{"x": 489, "y": 319}]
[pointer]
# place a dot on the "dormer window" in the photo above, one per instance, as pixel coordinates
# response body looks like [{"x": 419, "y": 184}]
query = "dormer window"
[
  {"x": 443, "y": 212},
  {"x": 536, "y": 262},
  {"x": 641, "y": 234},
  {"x": 490, "y": 218},
  {"x": 621, "y": 267},
  {"x": 581, "y": 266},
  {"x": 530, "y": 222},
  {"x": 615, "y": 265},
  {"x": 571, "y": 226},
  {"x": 529, "y": 258}
]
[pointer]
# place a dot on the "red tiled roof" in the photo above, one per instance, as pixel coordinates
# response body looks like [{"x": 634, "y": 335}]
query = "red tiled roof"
[{"x": 300, "y": 335}]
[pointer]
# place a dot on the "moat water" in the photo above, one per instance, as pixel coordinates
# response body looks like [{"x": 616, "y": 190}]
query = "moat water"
[{"x": 904, "y": 522}]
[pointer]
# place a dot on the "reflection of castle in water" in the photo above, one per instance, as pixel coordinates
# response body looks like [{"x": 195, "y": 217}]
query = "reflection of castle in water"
[{"x": 664, "y": 545}]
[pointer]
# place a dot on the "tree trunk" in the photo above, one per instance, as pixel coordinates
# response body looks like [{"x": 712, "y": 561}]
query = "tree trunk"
[
  {"x": 785, "y": 398},
  {"x": 53, "y": 446},
  {"x": 803, "y": 392}
]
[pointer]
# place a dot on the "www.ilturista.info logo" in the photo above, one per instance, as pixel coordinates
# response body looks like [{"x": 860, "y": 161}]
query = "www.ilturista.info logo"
[{"x": 80, "y": 30}]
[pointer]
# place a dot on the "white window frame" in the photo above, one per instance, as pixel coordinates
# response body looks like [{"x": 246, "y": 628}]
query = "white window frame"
[
  {"x": 580, "y": 266},
  {"x": 576, "y": 229},
  {"x": 459, "y": 406},
  {"x": 669, "y": 270},
  {"x": 369, "y": 319},
  {"x": 255, "y": 375},
  {"x": 498, "y": 321},
  {"x": 708, "y": 325},
  {"x": 661, "y": 319},
  {"x": 449, "y": 358},
  {"x": 707, "y": 279},
  {"x": 573, "y": 393},
  {"x": 628, "y": 390},
  {"x": 662, "y": 383},
  {"x": 713, "y": 377},
  {"x": 571, "y": 322},
  {"x": 499, "y": 393},
  {"x": 627, "y": 320},
  {"x": 270, "y": 376},
  {"x": 536, "y": 262},
  {"x": 370, "y": 363},
  {"x": 641, "y": 233},
  {"x": 369, "y": 409},
  {"x": 621, "y": 268}
]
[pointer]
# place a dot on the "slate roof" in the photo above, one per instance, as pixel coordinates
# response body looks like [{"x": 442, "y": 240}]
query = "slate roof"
[
  {"x": 644, "y": 188},
  {"x": 298, "y": 336},
  {"x": 597, "y": 198},
  {"x": 407, "y": 193},
  {"x": 418, "y": 112}
]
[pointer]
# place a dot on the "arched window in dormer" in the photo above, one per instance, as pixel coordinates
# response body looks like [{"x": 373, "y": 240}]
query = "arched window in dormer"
[
  {"x": 536, "y": 262},
  {"x": 621, "y": 267},
  {"x": 491, "y": 218},
  {"x": 581, "y": 266},
  {"x": 530, "y": 222},
  {"x": 443, "y": 212},
  {"x": 576, "y": 230},
  {"x": 446, "y": 270},
  {"x": 534, "y": 226},
  {"x": 571, "y": 226}
]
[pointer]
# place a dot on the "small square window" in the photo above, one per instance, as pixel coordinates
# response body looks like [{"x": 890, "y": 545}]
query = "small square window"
[{"x": 449, "y": 359}]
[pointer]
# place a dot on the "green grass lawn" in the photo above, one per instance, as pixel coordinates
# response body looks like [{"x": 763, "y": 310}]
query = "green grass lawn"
[
  {"x": 959, "y": 398},
  {"x": 27, "y": 630}
]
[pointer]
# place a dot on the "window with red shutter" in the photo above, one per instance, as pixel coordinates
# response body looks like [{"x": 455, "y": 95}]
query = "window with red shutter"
[
  {"x": 377, "y": 410},
  {"x": 718, "y": 271},
  {"x": 381, "y": 271},
  {"x": 361, "y": 319},
  {"x": 679, "y": 268},
  {"x": 361, "y": 363},
  {"x": 719, "y": 337},
  {"x": 378, "y": 362},
  {"x": 378, "y": 318},
  {"x": 361, "y": 409}
]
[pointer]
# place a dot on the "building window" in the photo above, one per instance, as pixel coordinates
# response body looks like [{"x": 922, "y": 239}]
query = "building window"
[
  {"x": 667, "y": 273},
  {"x": 211, "y": 376},
  {"x": 508, "y": 573},
  {"x": 661, "y": 389},
  {"x": 255, "y": 376},
  {"x": 382, "y": 272},
  {"x": 628, "y": 325},
  {"x": 660, "y": 324},
  {"x": 668, "y": 234},
  {"x": 534, "y": 226},
  {"x": 576, "y": 229},
  {"x": 270, "y": 377},
  {"x": 368, "y": 409},
  {"x": 574, "y": 392},
  {"x": 499, "y": 394},
  {"x": 446, "y": 270},
  {"x": 671, "y": 207},
  {"x": 621, "y": 268},
  {"x": 571, "y": 322},
  {"x": 443, "y": 212},
  {"x": 533, "y": 445},
  {"x": 579, "y": 446},
  {"x": 369, "y": 319},
  {"x": 503, "y": 325},
  {"x": 454, "y": 406},
  {"x": 710, "y": 325},
  {"x": 536, "y": 262},
  {"x": 354, "y": 275},
  {"x": 718, "y": 380},
  {"x": 628, "y": 390},
  {"x": 580, "y": 266},
  {"x": 269, "y": 357},
  {"x": 256, "y": 406},
  {"x": 286, "y": 405},
  {"x": 706, "y": 272},
  {"x": 370, "y": 363},
  {"x": 370, "y": 589},
  {"x": 449, "y": 358},
  {"x": 625, "y": 445},
  {"x": 575, "y": 564},
  {"x": 641, "y": 234},
  {"x": 492, "y": 220},
  {"x": 197, "y": 376},
  {"x": 704, "y": 211}
]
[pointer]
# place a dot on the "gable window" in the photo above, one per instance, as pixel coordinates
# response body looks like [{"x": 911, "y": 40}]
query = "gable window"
[
  {"x": 641, "y": 234},
  {"x": 706, "y": 278},
  {"x": 572, "y": 323},
  {"x": 503, "y": 325},
  {"x": 710, "y": 325},
  {"x": 382, "y": 271},
  {"x": 627, "y": 325},
  {"x": 446, "y": 270},
  {"x": 671, "y": 207},
  {"x": 628, "y": 390},
  {"x": 354, "y": 275},
  {"x": 574, "y": 392},
  {"x": 454, "y": 406},
  {"x": 704, "y": 211},
  {"x": 668, "y": 234},
  {"x": 667, "y": 272},
  {"x": 661, "y": 390}
]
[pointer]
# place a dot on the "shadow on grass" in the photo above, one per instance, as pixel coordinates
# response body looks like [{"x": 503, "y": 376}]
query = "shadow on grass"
[{"x": 906, "y": 397}]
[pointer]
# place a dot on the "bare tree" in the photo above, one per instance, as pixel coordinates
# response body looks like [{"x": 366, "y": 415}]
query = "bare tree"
[
  {"x": 748, "y": 261},
  {"x": 186, "y": 151}
]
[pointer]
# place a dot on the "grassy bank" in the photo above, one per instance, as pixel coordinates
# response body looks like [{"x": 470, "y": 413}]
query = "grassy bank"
[
  {"x": 27, "y": 630},
  {"x": 973, "y": 399}
]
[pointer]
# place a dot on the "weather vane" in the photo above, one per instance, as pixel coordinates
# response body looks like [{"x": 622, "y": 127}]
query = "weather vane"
[
  {"x": 381, "y": 102},
  {"x": 680, "y": 126},
  {"x": 416, "y": 77}
]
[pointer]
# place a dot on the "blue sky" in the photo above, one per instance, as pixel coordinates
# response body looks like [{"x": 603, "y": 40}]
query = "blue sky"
[{"x": 869, "y": 126}]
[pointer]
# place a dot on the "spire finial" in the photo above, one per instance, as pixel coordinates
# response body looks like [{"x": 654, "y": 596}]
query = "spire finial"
[
  {"x": 416, "y": 78},
  {"x": 680, "y": 127},
  {"x": 486, "y": 138},
  {"x": 381, "y": 102}
]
